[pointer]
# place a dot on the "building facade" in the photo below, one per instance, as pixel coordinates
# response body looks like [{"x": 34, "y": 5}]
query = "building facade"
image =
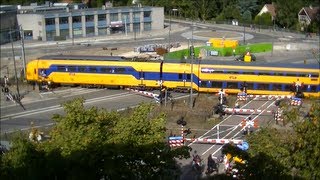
[
  {"x": 69, "y": 23},
  {"x": 9, "y": 23}
]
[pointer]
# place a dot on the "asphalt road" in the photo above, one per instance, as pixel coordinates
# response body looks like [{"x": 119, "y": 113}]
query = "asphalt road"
[
  {"x": 39, "y": 110},
  {"x": 229, "y": 128}
]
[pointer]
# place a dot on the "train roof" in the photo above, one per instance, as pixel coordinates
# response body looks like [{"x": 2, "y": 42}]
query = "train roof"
[
  {"x": 251, "y": 64},
  {"x": 196, "y": 61},
  {"x": 80, "y": 57}
]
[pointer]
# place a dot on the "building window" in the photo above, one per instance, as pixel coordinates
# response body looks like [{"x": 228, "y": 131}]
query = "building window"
[
  {"x": 102, "y": 31},
  {"x": 90, "y": 31},
  {"x": 50, "y": 21},
  {"x": 147, "y": 26},
  {"x": 28, "y": 34},
  {"x": 63, "y": 20},
  {"x": 114, "y": 17},
  {"x": 89, "y": 18},
  {"x": 101, "y": 17},
  {"x": 76, "y": 19},
  {"x": 50, "y": 35},
  {"x": 77, "y": 32},
  {"x": 64, "y": 33},
  {"x": 136, "y": 17},
  {"x": 136, "y": 27},
  {"x": 125, "y": 17},
  {"x": 147, "y": 14}
]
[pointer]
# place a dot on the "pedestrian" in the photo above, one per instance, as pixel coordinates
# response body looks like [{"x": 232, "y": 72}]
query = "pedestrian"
[
  {"x": 234, "y": 52},
  {"x": 6, "y": 81}
]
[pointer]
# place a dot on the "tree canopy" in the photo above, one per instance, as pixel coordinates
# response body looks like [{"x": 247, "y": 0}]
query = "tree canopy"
[
  {"x": 284, "y": 153},
  {"x": 91, "y": 143}
]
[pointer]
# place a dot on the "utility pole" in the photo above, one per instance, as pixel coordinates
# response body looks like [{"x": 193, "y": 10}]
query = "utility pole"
[
  {"x": 125, "y": 25},
  {"x": 23, "y": 53},
  {"x": 14, "y": 64},
  {"x": 191, "y": 77},
  {"x": 191, "y": 73},
  {"x": 244, "y": 34},
  {"x": 169, "y": 30}
]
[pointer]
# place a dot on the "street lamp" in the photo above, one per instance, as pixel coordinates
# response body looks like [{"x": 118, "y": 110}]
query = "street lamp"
[{"x": 14, "y": 64}]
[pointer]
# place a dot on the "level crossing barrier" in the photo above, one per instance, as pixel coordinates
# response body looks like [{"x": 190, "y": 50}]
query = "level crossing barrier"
[
  {"x": 144, "y": 93},
  {"x": 245, "y": 111},
  {"x": 213, "y": 141},
  {"x": 243, "y": 96}
]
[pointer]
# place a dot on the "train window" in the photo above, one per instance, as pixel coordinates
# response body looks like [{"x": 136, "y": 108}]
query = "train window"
[
  {"x": 263, "y": 86},
  {"x": 61, "y": 69},
  {"x": 313, "y": 88},
  {"x": 188, "y": 76},
  {"x": 264, "y": 73},
  {"x": 288, "y": 87},
  {"x": 277, "y": 87},
  {"x": 203, "y": 83},
  {"x": 248, "y": 72},
  {"x": 291, "y": 74},
  {"x": 92, "y": 69},
  {"x": 250, "y": 86},
  {"x": 82, "y": 69},
  {"x": 120, "y": 70},
  {"x": 218, "y": 72},
  {"x": 72, "y": 69},
  {"x": 232, "y": 85},
  {"x": 217, "y": 84},
  {"x": 278, "y": 74},
  {"x": 302, "y": 75},
  {"x": 106, "y": 70},
  {"x": 232, "y": 72},
  {"x": 180, "y": 76}
]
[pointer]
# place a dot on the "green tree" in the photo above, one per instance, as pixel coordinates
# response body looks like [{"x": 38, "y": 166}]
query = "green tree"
[
  {"x": 91, "y": 143},
  {"x": 247, "y": 17},
  {"x": 263, "y": 19},
  {"x": 293, "y": 152},
  {"x": 23, "y": 160},
  {"x": 286, "y": 12}
]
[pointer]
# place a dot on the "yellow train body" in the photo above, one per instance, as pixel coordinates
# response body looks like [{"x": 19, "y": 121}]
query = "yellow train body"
[{"x": 207, "y": 76}]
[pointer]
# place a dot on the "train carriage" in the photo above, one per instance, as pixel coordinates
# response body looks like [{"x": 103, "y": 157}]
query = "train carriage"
[{"x": 208, "y": 76}]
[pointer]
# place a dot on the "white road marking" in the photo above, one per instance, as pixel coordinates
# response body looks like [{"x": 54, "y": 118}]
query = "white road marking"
[{"x": 239, "y": 131}]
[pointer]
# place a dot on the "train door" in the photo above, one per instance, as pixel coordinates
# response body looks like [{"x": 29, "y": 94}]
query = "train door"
[
  {"x": 185, "y": 78},
  {"x": 141, "y": 77}
]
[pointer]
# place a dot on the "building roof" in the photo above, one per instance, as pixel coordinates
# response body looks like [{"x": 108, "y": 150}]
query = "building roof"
[
  {"x": 312, "y": 12},
  {"x": 271, "y": 9}
]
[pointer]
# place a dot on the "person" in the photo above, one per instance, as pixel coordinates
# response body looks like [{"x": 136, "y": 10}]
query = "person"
[
  {"x": 6, "y": 81},
  {"x": 211, "y": 164},
  {"x": 234, "y": 52},
  {"x": 244, "y": 87},
  {"x": 237, "y": 105}
]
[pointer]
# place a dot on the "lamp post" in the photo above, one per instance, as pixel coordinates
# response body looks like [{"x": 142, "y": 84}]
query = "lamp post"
[
  {"x": 14, "y": 64},
  {"x": 23, "y": 53},
  {"x": 170, "y": 12},
  {"x": 191, "y": 71}
]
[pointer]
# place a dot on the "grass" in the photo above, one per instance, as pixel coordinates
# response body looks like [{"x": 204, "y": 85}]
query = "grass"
[{"x": 253, "y": 48}]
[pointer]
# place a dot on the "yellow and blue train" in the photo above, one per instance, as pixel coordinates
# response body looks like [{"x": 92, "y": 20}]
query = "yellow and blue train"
[{"x": 207, "y": 75}]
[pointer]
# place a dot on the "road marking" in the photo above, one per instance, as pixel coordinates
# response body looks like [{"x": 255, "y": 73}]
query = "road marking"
[
  {"x": 56, "y": 107},
  {"x": 240, "y": 130},
  {"x": 220, "y": 123}
]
